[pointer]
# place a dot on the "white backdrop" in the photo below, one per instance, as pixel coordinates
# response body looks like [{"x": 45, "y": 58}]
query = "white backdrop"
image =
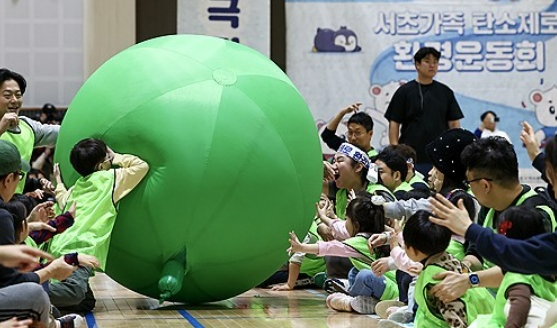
[{"x": 243, "y": 21}]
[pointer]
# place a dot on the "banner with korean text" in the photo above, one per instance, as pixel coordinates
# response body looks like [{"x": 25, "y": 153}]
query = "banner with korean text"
[
  {"x": 496, "y": 55},
  {"x": 246, "y": 21}
]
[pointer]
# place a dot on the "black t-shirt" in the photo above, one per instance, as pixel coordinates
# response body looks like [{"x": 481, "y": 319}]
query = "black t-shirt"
[{"x": 423, "y": 112}]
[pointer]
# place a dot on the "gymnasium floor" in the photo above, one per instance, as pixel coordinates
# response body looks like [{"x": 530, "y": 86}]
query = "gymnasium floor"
[{"x": 120, "y": 307}]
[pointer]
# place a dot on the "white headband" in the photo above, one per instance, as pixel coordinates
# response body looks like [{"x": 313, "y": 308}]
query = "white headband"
[{"x": 355, "y": 153}]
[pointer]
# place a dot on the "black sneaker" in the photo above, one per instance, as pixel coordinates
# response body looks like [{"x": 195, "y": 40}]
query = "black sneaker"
[
  {"x": 70, "y": 321},
  {"x": 335, "y": 286},
  {"x": 87, "y": 305}
]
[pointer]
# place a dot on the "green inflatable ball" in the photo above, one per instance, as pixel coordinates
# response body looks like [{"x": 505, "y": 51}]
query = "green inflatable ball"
[{"x": 234, "y": 156}]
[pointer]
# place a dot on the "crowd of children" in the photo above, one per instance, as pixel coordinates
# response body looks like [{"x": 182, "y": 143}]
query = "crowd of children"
[
  {"x": 385, "y": 239},
  {"x": 423, "y": 274}
]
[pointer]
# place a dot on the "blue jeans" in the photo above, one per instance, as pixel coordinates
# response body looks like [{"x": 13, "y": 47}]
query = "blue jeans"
[{"x": 365, "y": 283}]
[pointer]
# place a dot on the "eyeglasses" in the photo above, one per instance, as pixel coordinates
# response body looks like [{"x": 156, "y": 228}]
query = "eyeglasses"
[
  {"x": 357, "y": 134},
  {"x": 468, "y": 182},
  {"x": 21, "y": 174}
]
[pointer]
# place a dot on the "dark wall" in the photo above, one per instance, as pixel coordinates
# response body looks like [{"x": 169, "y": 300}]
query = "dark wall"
[
  {"x": 155, "y": 18},
  {"x": 159, "y": 17}
]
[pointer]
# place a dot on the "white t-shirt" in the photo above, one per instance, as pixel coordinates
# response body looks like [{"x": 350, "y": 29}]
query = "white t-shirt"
[{"x": 497, "y": 133}]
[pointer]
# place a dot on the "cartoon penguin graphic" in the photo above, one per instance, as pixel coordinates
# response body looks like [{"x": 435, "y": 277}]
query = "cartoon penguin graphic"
[{"x": 343, "y": 40}]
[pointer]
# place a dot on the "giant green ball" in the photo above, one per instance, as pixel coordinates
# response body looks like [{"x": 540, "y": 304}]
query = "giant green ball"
[{"x": 234, "y": 157}]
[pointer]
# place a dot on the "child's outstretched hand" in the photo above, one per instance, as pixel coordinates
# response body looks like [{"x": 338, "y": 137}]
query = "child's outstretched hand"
[
  {"x": 42, "y": 212},
  {"x": 321, "y": 210},
  {"x": 56, "y": 173},
  {"x": 72, "y": 209},
  {"x": 393, "y": 233},
  {"x": 282, "y": 287},
  {"x": 295, "y": 245},
  {"x": 88, "y": 261},
  {"x": 376, "y": 240}
]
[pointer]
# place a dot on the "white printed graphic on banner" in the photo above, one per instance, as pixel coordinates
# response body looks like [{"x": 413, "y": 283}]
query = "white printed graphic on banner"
[
  {"x": 246, "y": 21},
  {"x": 495, "y": 55}
]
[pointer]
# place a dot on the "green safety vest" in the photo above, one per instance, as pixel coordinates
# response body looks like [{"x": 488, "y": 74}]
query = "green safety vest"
[
  {"x": 372, "y": 153},
  {"x": 311, "y": 263},
  {"x": 404, "y": 186},
  {"x": 24, "y": 142},
  {"x": 95, "y": 217},
  {"x": 342, "y": 197},
  {"x": 456, "y": 249},
  {"x": 31, "y": 242},
  {"x": 341, "y": 203},
  {"x": 476, "y": 300},
  {"x": 416, "y": 178},
  {"x": 359, "y": 244},
  {"x": 373, "y": 187},
  {"x": 488, "y": 222},
  {"x": 541, "y": 288}
]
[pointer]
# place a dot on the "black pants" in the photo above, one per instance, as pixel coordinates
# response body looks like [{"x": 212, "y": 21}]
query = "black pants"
[{"x": 403, "y": 281}]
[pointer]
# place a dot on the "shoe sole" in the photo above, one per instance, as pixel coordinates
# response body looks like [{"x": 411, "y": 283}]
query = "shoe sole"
[
  {"x": 364, "y": 305},
  {"x": 382, "y": 307}
]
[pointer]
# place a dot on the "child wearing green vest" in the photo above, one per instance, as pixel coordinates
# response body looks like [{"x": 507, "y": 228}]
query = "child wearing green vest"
[
  {"x": 522, "y": 300},
  {"x": 97, "y": 193},
  {"x": 426, "y": 243},
  {"x": 351, "y": 171},
  {"x": 393, "y": 170},
  {"x": 302, "y": 269},
  {"x": 362, "y": 220}
]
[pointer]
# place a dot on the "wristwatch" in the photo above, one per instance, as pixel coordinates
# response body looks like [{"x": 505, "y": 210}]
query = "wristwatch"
[{"x": 474, "y": 279}]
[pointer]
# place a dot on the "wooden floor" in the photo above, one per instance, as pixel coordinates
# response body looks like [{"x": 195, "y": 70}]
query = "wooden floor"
[{"x": 120, "y": 307}]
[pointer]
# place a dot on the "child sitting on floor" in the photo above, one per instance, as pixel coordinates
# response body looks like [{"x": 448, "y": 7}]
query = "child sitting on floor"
[
  {"x": 522, "y": 300},
  {"x": 366, "y": 289},
  {"x": 426, "y": 242}
]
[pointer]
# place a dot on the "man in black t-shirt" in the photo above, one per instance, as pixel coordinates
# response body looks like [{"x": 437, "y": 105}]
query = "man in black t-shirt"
[{"x": 422, "y": 109}]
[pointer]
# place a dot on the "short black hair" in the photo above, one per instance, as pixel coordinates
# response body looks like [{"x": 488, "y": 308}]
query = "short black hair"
[
  {"x": 424, "y": 52},
  {"x": 370, "y": 217},
  {"x": 19, "y": 214},
  {"x": 362, "y": 119},
  {"x": 492, "y": 158},
  {"x": 408, "y": 152},
  {"x": 489, "y": 112},
  {"x": 521, "y": 223},
  {"x": 425, "y": 236},
  {"x": 417, "y": 194},
  {"x": 468, "y": 200},
  {"x": 394, "y": 160},
  {"x": 86, "y": 154},
  {"x": 6, "y": 75}
]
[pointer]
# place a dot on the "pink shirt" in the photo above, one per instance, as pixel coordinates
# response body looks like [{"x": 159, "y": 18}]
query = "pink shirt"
[
  {"x": 338, "y": 229},
  {"x": 336, "y": 248}
]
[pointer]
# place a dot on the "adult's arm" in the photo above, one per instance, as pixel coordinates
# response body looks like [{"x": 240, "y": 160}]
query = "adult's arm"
[
  {"x": 45, "y": 134},
  {"x": 329, "y": 133},
  {"x": 522, "y": 256},
  {"x": 394, "y": 132},
  {"x": 330, "y": 138},
  {"x": 539, "y": 164},
  {"x": 405, "y": 208}
]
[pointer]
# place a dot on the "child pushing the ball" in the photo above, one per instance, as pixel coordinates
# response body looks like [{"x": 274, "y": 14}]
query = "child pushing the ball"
[{"x": 106, "y": 178}]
